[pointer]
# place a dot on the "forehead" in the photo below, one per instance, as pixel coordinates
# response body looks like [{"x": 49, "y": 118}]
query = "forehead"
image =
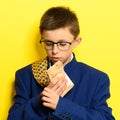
[{"x": 58, "y": 34}]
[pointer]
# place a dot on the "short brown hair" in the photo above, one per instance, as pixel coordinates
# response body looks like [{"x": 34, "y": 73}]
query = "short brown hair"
[{"x": 57, "y": 17}]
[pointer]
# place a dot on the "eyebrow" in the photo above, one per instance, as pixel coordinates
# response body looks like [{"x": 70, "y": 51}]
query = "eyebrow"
[{"x": 56, "y": 41}]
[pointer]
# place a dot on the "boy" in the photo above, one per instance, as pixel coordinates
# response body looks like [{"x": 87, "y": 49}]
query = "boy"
[{"x": 59, "y": 29}]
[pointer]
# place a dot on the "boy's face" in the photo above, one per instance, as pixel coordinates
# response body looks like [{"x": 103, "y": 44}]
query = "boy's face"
[{"x": 59, "y": 35}]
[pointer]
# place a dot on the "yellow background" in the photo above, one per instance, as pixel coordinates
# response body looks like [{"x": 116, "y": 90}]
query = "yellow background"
[{"x": 19, "y": 35}]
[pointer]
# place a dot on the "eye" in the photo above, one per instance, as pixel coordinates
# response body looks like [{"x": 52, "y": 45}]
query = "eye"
[
  {"x": 48, "y": 43},
  {"x": 62, "y": 43}
]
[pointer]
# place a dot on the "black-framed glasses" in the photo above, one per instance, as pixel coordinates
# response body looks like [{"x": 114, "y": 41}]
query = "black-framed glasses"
[{"x": 62, "y": 45}]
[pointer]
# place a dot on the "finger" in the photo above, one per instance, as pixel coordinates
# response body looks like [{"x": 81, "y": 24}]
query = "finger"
[
  {"x": 48, "y": 92},
  {"x": 58, "y": 77},
  {"x": 45, "y": 92},
  {"x": 46, "y": 104},
  {"x": 51, "y": 102},
  {"x": 60, "y": 81},
  {"x": 61, "y": 88},
  {"x": 53, "y": 82},
  {"x": 45, "y": 98}
]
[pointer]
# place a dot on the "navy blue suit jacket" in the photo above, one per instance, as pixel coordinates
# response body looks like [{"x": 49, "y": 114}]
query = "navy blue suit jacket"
[{"x": 86, "y": 100}]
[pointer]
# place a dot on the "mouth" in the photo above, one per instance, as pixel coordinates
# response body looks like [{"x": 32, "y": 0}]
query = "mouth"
[{"x": 55, "y": 59}]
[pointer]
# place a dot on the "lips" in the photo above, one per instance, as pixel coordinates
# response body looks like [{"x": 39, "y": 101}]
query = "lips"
[{"x": 55, "y": 59}]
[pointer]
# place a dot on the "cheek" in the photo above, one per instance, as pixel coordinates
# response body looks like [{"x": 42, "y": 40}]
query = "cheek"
[
  {"x": 47, "y": 52},
  {"x": 67, "y": 54}
]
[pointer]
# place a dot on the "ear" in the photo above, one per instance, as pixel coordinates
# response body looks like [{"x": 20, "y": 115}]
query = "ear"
[{"x": 77, "y": 41}]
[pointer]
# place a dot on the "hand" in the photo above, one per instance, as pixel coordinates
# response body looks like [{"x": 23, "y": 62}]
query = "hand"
[
  {"x": 58, "y": 84},
  {"x": 50, "y": 98},
  {"x": 50, "y": 94}
]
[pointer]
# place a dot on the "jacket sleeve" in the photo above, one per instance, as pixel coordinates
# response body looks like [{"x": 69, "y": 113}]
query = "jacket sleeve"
[
  {"x": 26, "y": 107},
  {"x": 98, "y": 110}
]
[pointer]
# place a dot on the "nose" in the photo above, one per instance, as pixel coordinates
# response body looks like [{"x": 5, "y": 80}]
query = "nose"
[{"x": 55, "y": 49}]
